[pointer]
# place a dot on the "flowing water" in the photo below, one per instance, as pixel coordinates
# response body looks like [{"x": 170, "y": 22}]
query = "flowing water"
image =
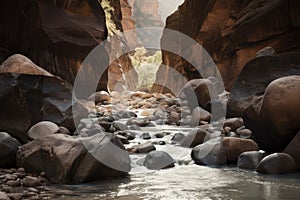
[{"x": 185, "y": 181}]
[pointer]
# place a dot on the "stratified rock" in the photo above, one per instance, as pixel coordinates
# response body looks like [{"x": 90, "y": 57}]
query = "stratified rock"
[
  {"x": 57, "y": 36},
  {"x": 8, "y": 150},
  {"x": 42, "y": 129},
  {"x": 250, "y": 159},
  {"x": 66, "y": 159},
  {"x": 277, "y": 163},
  {"x": 211, "y": 152},
  {"x": 231, "y": 32},
  {"x": 156, "y": 160},
  {"x": 235, "y": 146},
  {"x": 279, "y": 113},
  {"x": 28, "y": 99},
  {"x": 293, "y": 149},
  {"x": 20, "y": 64}
]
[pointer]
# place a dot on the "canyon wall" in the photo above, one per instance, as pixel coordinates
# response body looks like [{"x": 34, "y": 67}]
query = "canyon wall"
[
  {"x": 56, "y": 35},
  {"x": 231, "y": 31}
]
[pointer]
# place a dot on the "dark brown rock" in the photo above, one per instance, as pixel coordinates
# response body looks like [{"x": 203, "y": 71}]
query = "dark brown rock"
[
  {"x": 65, "y": 159},
  {"x": 8, "y": 150},
  {"x": 157, "y": 160},
  {"x": 57, "y": 36},
  {"x": 293, "y": 149},
  {"x": 250, "y": 159},
  {"x": 235, "y": 146},
  {"x": 273, "y": 164},
  {"x": 28, "y": 99},
  {"x": 194, "y": 138}
]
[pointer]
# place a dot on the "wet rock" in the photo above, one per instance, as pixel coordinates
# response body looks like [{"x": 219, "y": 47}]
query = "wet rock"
[
  {"x": 19, "y": 64},
  {"x": 42, "y": 129},
  {"x": 123, "y": 139},
  {"x": 65, "y": 159},
  {"x": 250, "y": 159},
  {"x": 145, "y": 148},
  {"x": 233, "y": 134},
  {"x": 157, "y": 160},
  {"x": 145, "y": 136},
  {"x": 194, "y": 138},
  {"x": 211, "y": 152},
  {"x": 273, "y": 164},
  {"x": 293, "y": 149},
  {"x": 235, "y": 146},
  {"x": 13, "y": 183},
  {"x": 3, "y": 196},
  {"x": 8, "y": 150},
  {"x": 178, "y": 137},
  {"x": 30, "y": 181},
  {"x": 246, "y": 97},
  {"x": 280, "y": 108},
  {"x": 28, "y": 99},
  {"x": 199, "y": 114},
  {"x": 15, "y": 196},
  {"x": 173, "y": 118},
  {"x": 119, "y": 126},
  {"x": 162, "y": 134}
]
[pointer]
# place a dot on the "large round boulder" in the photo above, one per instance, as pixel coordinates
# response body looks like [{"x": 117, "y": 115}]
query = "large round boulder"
[
  {"x": 211, "y": 152},
  {"x": 67, "y": 159},
  {"x": 277, "y": 163},
  {"x": 194, "y": 138},
  {"x": 235, "y": 146},
  {"x": 42, "y": 129},
  {"x": 280, "y": 112},
  {"x": 8, "y": 150},
  {"x": 156, "y": 160}
]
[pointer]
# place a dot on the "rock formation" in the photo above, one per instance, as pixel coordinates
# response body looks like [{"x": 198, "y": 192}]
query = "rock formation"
[
  {"x": 56, "y": 35},
  {"x": 231, "y": 32}
]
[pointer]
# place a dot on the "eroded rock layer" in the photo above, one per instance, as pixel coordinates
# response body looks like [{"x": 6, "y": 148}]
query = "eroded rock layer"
[{"x": 232, "y": 32}]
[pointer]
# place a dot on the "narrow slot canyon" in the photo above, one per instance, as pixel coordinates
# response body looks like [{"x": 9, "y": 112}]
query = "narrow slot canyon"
[{"x": 149, "y": 99}]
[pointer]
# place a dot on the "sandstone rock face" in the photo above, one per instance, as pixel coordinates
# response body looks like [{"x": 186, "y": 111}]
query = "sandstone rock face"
[
  {"x": 9, "y": 147},
  {"x": 65, "y": 159},
  {"x": 56, "y": 35},
  {"x": 246, "y": 97},
  {"x": 20, "y": 64},
  {"x": 277, "y": 163},
  {"x": 231, "y": 32},
  {"x": 28, "y": 99},
  {"x": 279, "y": 112}
]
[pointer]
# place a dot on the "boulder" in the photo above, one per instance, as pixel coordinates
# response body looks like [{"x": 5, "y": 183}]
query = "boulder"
[
  {"x": 145, "y": 148},
  {"x": 28, "y": 99},
  {"x": 234, "y": 123},
  {"x": 250, "y": 159},
  {"x": 199, "y": 114},
  {"x": 277, "y": 163},
  {"x": 194, "y": 138},
  {"x": 157, "y": 160},
  {"x": 8, "y": 150},
  {"x": 235, "y": 146},
  {"x": 67, "y": 159},
  {"x": 247, "y": 93},
  {"x": 293, "y": 149},
  {"x": 100, "y": 97},
  {"x": 42, "y": 129},
  {"x": 199, "y": 92},
  {"x": 19, "y": 64},
  {"x": 279, "y": 113},
  {"x": 211, "y": 152}
]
